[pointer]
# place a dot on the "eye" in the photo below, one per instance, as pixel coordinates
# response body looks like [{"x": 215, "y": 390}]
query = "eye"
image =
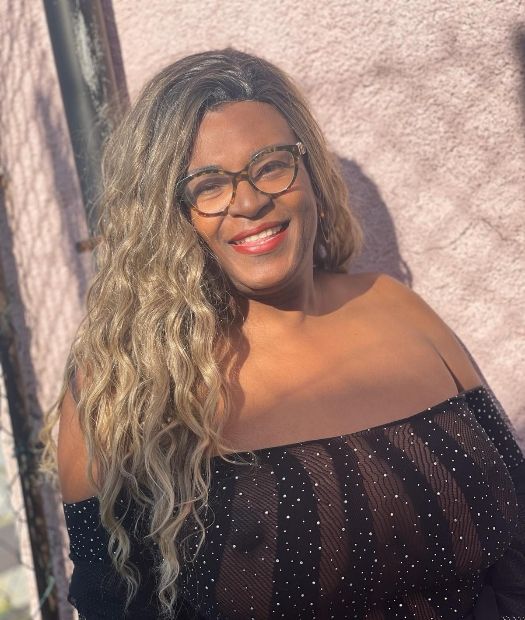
[
  {"x": 270, "y": 168},
  {"x": 208, "y": 186}
]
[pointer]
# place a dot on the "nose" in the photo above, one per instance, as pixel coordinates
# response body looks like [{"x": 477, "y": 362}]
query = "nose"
[{"x": 248, "y": 201}]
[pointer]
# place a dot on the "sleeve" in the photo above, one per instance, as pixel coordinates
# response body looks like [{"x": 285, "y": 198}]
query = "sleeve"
[
  {"x": 96, "y": 589},
  {"x": 507, "y": 575}
]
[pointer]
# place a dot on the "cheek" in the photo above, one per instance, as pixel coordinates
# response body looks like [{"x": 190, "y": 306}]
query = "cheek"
[
  {"x": 309, "y": 196},
  {"x": 310, "y": 210},
  {"x": 206, "y": 229}
]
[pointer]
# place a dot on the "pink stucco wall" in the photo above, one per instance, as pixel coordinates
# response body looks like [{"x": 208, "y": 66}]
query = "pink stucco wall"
[
  {"x": 422, "y": 106},
  {"x": 46, "y": 277},
  {"x": 423, "y": 102}
]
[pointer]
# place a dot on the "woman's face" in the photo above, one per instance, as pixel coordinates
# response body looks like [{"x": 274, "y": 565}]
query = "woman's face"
[{"x": 228, "y": 137}]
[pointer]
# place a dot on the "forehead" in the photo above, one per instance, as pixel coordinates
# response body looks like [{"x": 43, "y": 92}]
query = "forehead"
[{"x": 229, "y": 135}]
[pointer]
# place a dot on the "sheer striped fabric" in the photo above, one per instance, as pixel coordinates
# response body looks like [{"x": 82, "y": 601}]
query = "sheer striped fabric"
[{"x": 421, "y": 519}]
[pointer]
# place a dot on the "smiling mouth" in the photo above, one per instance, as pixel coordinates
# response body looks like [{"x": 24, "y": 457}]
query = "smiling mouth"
[{"x": 262, "y": 236}]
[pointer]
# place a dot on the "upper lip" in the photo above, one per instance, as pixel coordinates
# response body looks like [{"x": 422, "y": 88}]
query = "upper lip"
[{"x": 254, "y": 231}]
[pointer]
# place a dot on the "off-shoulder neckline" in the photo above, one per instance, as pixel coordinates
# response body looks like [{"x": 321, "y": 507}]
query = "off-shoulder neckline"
[
  {"x": 399, "y": 421},
  {"x": 269, "y": 449}
]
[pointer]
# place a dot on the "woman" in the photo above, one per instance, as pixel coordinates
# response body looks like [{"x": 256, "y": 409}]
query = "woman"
[{"x": 248, "y": 431}]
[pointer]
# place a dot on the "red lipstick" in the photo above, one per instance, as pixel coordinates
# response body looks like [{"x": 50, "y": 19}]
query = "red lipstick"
[
  {"x": 254, "y": 231},
  {"x": 263, "y": 245}
]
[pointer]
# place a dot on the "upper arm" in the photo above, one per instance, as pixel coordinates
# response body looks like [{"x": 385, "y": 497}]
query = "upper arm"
[
  {"x": 72, "y": 455},
  {"x": 422, "y": 316}
]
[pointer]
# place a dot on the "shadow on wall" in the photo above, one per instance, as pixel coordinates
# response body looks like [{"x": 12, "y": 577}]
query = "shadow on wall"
[
  {"x": 519, "y": 49},
  {"x": 381, "y": 249},
  {"x": 65, "y": 185},
  {"x": 518, "y": 41},
  {"x": 115, "y": 49}
]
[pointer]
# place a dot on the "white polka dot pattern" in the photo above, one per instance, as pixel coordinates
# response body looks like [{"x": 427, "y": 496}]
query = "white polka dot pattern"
[{"x": 397, "y": 521}]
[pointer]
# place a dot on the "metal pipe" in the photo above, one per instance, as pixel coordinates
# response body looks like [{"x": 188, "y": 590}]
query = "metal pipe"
[{"x": 89, "y": 89}]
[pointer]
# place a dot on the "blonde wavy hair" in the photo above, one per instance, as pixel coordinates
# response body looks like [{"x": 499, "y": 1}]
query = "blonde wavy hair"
[{"x": 153, "y": 398}]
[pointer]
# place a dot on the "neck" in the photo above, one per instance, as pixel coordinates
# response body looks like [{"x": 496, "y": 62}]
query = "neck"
[{"x": 283, "y": 311}]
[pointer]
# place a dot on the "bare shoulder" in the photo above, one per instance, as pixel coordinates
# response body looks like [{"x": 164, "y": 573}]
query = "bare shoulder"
[
  {"x": 414, "y": 309},
  {"x": 72, "y": 454}
]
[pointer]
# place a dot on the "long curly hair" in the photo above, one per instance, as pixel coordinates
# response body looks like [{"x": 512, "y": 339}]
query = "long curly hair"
[{"x": 153, "y": 398}]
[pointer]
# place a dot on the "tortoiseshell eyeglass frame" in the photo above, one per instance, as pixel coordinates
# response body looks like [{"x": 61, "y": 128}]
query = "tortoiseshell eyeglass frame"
[{"x": 297, "y": 150}]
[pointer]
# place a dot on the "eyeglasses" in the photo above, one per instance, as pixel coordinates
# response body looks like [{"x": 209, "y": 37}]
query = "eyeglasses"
[{"x": 271, "y": 171}]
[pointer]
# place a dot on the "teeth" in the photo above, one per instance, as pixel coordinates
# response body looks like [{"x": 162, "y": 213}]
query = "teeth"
[{"x": 262, "y": 235}]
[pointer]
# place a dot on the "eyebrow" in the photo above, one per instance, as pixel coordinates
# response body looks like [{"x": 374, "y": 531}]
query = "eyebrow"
[
  {"x": 215, "y": 167},
  {"x": 209, "y": 168}
]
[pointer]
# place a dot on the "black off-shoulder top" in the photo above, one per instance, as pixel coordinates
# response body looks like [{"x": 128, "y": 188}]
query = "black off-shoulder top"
[{"x": 422, "y": 518}]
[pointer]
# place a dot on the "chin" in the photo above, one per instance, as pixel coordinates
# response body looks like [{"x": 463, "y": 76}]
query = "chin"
[
  {"x": 265, "y": 284},
  {"x": 257, "y": 287}
]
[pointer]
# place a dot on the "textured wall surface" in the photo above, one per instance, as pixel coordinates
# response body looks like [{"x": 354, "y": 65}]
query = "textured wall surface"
[
  {"x": 422, "y": 105},
  {"x": 42, "y": 219},
  {"x": 422, "y": 102},
  {"x": 44, "y": 210}
]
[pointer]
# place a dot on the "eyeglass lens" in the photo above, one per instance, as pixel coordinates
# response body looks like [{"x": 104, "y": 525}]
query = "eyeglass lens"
[{"x": 270, "y": 173}]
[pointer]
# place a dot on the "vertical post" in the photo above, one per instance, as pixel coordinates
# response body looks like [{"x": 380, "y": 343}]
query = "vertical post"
[
  {"x": 89, "y": 89},
  {"x": 91, "y": 101}
]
